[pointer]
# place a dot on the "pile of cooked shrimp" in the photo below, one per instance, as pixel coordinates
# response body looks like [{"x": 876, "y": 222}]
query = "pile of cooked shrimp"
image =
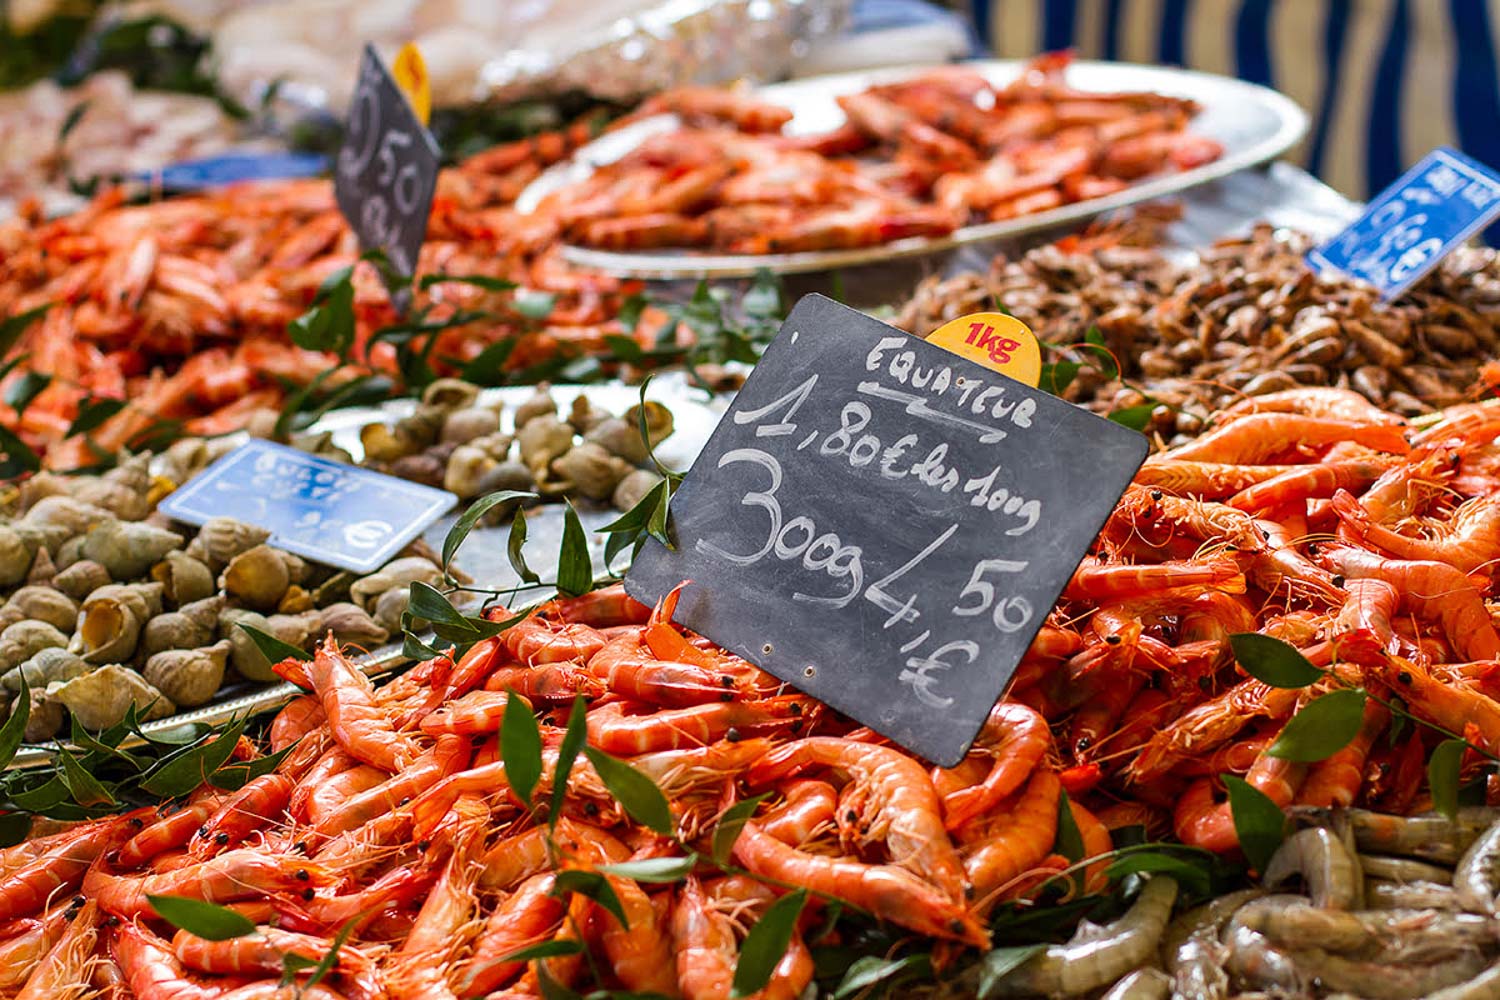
[
  {"x": 1310, "y": 516},
  {"x": 178, "y": 310},
  {"x": 916, "y": 157}
]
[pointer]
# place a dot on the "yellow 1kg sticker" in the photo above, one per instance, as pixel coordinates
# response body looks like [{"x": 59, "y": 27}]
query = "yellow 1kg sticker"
[
  {"x": 410, "y": 73},
  {"x": 999, "y": 342}
]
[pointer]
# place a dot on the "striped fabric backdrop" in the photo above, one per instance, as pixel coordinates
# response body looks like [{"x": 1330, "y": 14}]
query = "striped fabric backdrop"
[{"x": 1384, "y": 80}]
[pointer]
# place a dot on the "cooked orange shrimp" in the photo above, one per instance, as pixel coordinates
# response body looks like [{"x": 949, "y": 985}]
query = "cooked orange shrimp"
[
  {"x": 1472, "y": 539},
  {"x": 330, "y": 763},
  {"x": 536, "y": 640},
  {"x": 600, "y": 608},
  {"x": 806, "y": 810},
  {"x": 301, "y": 716},
  {"x": 168, "y": 833},
  {"x": 27, "y": 942},
  {"x": 886, "y": 891},
  {"x": 1459, "y": 708},
  {"x": 1432, "y": 590},
  {"x": 903, "y": 807},
  {"x": 1209, "y": 725},
  {"x": 260, "y": 801},
  {"x": 1259, "y": 436},
  {"x": 258, "y": 952},
  {"x": 26, "y": 889},
  {"x": 233, "y": 875},
  {"x": 150, "y": 968},
  {"x": 1208, "y": 480},
  {"x": 641, "y": 950},
  {"x": 1093, "y": 581},
  {"x": 475, "y": 712},
  {"x": 1023, "y": 836},
  {"x": 545, "y": 682},
  {"x": 448, "y": 757},
  {"x": 1015, "y": 738},
  {"x": 627, "y": 668},
  {"x": 357, "y": 723},
  {"x": 333, "y": 792},
  {"x": 526, "y": 917},
  {"x": 1336, "y": 781},
  {"x": 443, "y": 926},
  {"x": 63, "y": 972},
  {"x": 1304, "y": 482},
  {"x": 612, "y": 731},
  {"x": 1314, "y": 401},
  {"x": 1201, "y": 822}
]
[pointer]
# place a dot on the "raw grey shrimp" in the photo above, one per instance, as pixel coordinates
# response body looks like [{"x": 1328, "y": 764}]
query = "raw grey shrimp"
[
  {"x": 1429, "y": 836},
  {"x": 1403, "y": 870},
  {"x": 1097, "y": 956},
  {"x": 1328, "y": 869},
  {"x": 1485, "y": 986},
  {"x": 1476, "y": 878},
  {"x": 1142, "y": 984},
  {"x": 1382, "y": 980},
  {"x": 1382, "y": 895}
]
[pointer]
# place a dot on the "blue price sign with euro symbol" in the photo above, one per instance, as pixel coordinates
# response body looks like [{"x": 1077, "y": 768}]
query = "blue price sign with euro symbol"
[
  {"x": 326, "y": 511},
  {"x": 1416, "y": 222}
]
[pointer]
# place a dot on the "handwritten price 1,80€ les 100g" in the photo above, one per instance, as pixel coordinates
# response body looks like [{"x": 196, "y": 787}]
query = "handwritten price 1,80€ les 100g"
[{"x": 799, "y": 540}]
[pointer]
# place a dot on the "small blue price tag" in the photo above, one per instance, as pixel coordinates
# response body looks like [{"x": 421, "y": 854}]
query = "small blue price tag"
[
  {"x": 231, "y": 168},
  {"x": 1414, "y": 223},
  {"x": 322, "y": 510}
]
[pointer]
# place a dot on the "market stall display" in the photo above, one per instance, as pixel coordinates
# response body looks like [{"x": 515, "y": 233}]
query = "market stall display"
[{"x": 1252, "y": 749}]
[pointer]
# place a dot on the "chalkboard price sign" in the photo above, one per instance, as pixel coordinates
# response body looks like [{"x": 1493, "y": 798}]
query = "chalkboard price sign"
[
  {"x": 885, "y": 524},
  {"x": 387, "y": 168}
]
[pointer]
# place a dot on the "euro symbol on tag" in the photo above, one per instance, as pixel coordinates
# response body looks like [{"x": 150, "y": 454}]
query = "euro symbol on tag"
[
  {"x": 999, "y": 342},
  {"x": 410, "y": 73}
]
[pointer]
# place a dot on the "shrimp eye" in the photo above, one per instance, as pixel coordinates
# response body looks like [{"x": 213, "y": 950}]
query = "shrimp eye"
[
  {"x": 309, "y": 895},
  {"x": 1112, "y": 640},
  {"x": 111, "y": 921},
  {"x": 796, "y": 725},
  {"x": 726, "y": 681},
  {"x": 727, "y": 696},
  {"x": 1156, "y": 494},
  {"x": 221, "y": 839},
  {"x": 1083, "y": 743},
  {"x": 591, "y": 808},
  {"x": 956, "y": 926},
  {"x": 137, "y": 822},
  {"x": 303, "y": 875},
  {"x": 1204, "y": 683},
  {"x": 1404, "y": 677},
  {"x": 851, "y": 816},
  {"x": 1338, "y": 581},
  {"x": 424, "y": 845},
  {"x": 733, "y": 735},
  {"x": 796, "y": 708},
  {"x": 78, "y": 900},
  {"x": 112, "y": 858},
  {"x": 404, "y": 801},
  {"x": 477, "y": 740}
]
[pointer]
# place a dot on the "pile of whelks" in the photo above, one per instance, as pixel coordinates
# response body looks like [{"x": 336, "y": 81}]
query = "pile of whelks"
[
  {"x": 1311, "y": 516},
  {"x": 108, "y": 604}
]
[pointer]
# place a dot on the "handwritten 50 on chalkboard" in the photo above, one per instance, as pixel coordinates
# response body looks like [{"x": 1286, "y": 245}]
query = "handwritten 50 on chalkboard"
[
  {"x": 885, "y": 524},
  {"x": 387, "y": 168}
]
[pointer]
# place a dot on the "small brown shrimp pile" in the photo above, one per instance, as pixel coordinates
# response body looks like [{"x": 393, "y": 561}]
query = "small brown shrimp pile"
[{"x": 1313, "y": 517}]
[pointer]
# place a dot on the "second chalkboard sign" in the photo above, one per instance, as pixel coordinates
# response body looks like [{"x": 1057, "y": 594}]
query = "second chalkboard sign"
[
  {"x": 387, "y": 168},
  {"x": 885, "y": 524}
]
